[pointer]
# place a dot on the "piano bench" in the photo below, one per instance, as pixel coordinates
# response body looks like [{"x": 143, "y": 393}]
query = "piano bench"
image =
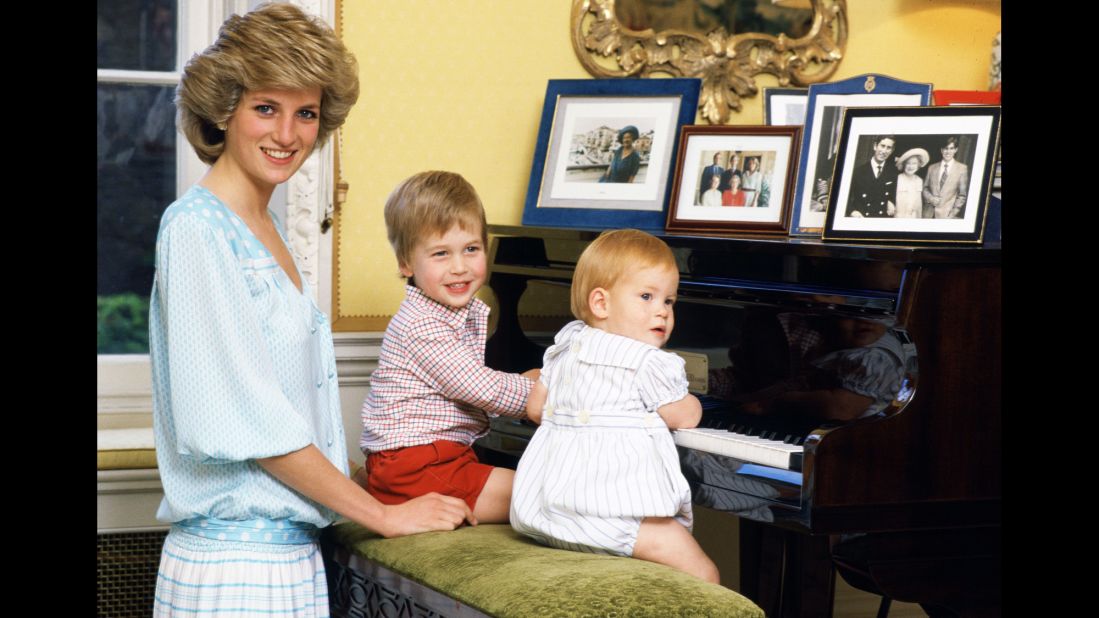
[{"x": 491, "y": 570}]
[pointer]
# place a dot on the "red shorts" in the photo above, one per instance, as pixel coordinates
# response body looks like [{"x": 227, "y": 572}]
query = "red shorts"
[{"x": 446, "y": 467}]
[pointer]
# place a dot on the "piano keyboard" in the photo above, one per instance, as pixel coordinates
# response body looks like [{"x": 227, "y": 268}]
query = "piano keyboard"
[{"x": 754, "y": 449}]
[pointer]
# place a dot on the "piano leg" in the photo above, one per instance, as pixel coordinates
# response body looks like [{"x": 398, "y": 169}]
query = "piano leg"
[{"x": 787, "y": 573}]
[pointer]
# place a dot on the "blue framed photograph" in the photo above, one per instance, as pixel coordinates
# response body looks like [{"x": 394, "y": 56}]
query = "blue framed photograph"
[
  {"x": 605, "y": 150},
  {"x": 914, "y": 175},
  {"x": 784, "y": 106},
  {"x": 820, "y": 140}
]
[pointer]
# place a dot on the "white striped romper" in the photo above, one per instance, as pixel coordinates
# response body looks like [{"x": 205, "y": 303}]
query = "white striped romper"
[{"x": 603, "y": 459}]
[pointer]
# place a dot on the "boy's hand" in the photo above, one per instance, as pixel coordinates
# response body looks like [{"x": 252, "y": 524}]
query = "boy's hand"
[
  {"x": 533, "y": 374},
  {"x": 536, "y": 400},
  {"x": 427, "y": 513}
]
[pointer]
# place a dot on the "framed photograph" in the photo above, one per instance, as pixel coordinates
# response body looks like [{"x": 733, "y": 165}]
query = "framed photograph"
[
  {"x": 734, "y": 179},
  {"x": 784, "y": 106},
  {"x": 966, "y": 97},
  {"x": 915, "y": 175},
  {"x": 974, "y": 97},
  {"x": 820, "y": 139},
  {"x": 604, "y": 152}
]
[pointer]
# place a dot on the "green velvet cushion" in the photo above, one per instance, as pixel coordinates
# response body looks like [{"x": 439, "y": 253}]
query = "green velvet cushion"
[{"x": 498, "y": 571}]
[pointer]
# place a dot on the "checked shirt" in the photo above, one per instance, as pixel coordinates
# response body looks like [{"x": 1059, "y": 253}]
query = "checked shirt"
[{"x": 432, "y": 383}]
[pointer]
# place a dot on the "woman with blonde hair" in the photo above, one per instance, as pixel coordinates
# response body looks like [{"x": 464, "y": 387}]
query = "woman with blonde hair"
[{"x": 246, "y": 412}]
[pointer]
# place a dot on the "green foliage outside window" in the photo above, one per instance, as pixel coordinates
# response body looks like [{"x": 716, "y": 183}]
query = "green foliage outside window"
[{"x": 122, "y": 324}]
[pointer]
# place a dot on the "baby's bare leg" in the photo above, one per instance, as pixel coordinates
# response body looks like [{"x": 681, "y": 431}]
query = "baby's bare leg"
[
  {"x": 495, "y": 500},
  {"x": 666, "y": 541}
]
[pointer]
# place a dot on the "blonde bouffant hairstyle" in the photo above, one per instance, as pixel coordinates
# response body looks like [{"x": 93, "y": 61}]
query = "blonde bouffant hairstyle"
[
  {"x": 608, "y": 258},
  {"x": 430, "y": 203},
  {"x": 275, "y": 46}
]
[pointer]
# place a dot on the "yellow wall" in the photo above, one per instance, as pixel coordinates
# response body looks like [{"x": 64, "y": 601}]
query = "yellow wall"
[{"x": 459, "y": 84}]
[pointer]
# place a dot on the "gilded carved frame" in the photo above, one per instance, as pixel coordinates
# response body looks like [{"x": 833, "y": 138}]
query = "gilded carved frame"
[{"x": 727, "y": 63}]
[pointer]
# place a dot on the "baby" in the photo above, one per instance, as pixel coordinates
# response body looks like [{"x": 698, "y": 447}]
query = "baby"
[{"x": 601, "y": 474}]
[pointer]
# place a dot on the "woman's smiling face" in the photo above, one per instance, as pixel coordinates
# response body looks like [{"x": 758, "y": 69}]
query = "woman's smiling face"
[{"x": 272, "y": 132}]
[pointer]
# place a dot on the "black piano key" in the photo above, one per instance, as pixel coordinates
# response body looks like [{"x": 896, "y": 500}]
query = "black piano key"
[{"x": 724, "y": 415}]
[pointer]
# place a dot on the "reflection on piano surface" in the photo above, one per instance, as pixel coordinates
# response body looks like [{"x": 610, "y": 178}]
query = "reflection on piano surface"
[{"x": 817, "y": 418}]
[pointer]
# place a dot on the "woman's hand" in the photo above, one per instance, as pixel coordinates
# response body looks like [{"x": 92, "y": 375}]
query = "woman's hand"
[
  {"x": 310, "y": 473},
  {"x": 427, "y": 513}
]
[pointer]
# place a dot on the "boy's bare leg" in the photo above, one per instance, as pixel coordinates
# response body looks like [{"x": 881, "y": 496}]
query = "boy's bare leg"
[
  {"x": 494, "y": 502},
  {"x": 666, "y": 541}
]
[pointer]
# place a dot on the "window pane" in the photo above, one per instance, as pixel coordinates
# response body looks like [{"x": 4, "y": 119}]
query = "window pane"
[
  {"x": 136, "y": 180},
  {"x": 139, "y": 35}
]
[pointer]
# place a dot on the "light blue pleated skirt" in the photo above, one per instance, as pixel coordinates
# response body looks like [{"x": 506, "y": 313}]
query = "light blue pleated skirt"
[{"x": 204, "y": 577}]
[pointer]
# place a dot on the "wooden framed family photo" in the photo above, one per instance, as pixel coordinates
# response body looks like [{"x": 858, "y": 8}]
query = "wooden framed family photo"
[
  {"x": 820, "y": 140},
  {"x": 914, "y": 175},
  {"x": 604, "y": 152},
  {"x": 734, "y": 179}
]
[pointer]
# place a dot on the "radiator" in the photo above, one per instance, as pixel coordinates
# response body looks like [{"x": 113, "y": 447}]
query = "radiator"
[{"x": 126, "y": 566}]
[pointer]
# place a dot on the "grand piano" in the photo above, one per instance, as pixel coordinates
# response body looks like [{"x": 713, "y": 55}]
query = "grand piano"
[{"x": 898, "y": 488}]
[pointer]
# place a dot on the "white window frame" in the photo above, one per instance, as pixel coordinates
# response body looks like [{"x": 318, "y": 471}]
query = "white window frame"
[{"x": 124, "y": 381}]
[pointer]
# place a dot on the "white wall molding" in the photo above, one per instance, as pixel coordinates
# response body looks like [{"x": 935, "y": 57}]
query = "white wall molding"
[
  {"x": 357, "y": 357},
  {"x": 127, "y": 500},
  {"x": 124, "y": 394}
]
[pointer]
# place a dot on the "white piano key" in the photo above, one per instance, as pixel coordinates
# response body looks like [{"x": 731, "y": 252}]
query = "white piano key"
[{"x": 775, "y": 453}]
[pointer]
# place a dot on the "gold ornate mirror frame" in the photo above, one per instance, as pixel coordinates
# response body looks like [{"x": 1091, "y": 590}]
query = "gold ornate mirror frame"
[{"x": 727, "y": 63}]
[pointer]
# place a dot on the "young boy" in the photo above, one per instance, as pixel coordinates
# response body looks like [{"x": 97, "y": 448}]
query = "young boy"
[{"x": 432, "y": 395}]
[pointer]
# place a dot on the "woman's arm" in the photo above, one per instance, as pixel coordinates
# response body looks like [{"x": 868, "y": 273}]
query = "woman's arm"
[{"x": 311, "y": 474}]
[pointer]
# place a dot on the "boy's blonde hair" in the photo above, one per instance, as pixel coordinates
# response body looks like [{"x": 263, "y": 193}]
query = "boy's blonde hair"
[
  {"x": 427, "y": 204},
  {"x": 608, "y": 258}
]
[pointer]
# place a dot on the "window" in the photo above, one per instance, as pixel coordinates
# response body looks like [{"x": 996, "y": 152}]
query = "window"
[{"x": 142, "y": 163}]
